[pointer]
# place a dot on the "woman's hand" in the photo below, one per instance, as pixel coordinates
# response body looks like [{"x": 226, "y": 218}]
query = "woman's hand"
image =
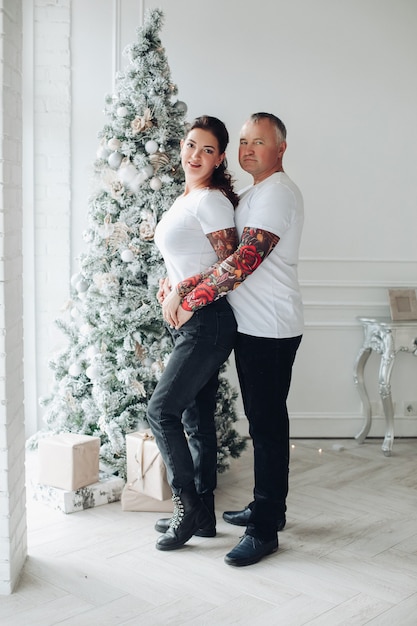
[
  {"x": 170, "y": 306},
  {"x": 173, "y": 312},
  {"x": 183, "y": 317},
  {"x": 164, "y": 290}
]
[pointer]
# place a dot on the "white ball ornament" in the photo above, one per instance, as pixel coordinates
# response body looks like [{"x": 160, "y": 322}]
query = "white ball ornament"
[
  {"x": 114, "y": 143},
  {"x": 115, "y": 160},
  {"x": 82, "y": 286},
  {"x": 155, "y": 183},
  {"x": 122, "y": 112},
  {"x": 127, "y": 256},
  {"x": 74, "y": 369},
  {"x": 92, "y": 372},
  {"x": 91, "y": 352},
  {"x": 151, "y": 146},
  {"x": 75, "y": 278},
  {"x": 75, "y": 312},
  {"x": 156, "y": 367}
]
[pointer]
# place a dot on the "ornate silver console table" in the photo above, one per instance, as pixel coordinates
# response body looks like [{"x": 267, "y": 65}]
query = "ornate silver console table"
[{"x": 387, "y": 338}]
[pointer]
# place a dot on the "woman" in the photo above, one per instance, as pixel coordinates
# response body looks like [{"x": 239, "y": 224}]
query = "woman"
[{"x": 197, "y": 231}]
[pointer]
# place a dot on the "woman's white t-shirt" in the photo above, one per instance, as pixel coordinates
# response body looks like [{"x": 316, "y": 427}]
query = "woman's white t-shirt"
[
  {"x": 181, "y": 233},
  {"x": 268, "y": 303}
]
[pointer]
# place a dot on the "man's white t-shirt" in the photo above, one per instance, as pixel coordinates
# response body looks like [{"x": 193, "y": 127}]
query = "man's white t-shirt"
[
  {"x": 268, "y": 303},
  {"x": 181, "y": 233}
]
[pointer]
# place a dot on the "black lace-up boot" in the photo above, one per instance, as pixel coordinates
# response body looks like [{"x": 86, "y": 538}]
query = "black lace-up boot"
[
  {"x": 189, "y": 516},
  {"x": 208, "y": 530}
]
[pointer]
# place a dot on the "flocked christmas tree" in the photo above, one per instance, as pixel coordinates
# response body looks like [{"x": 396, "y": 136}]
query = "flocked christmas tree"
[{"x": 117, "y": 344}]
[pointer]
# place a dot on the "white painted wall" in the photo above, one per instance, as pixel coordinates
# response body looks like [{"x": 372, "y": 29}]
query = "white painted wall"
[{"x": 342, "y": 77}]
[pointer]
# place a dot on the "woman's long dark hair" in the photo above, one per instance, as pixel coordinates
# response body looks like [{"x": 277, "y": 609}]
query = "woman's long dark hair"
[{"x": 221, "y": 178}]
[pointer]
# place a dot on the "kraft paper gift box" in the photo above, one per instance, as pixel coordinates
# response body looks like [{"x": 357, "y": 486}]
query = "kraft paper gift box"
[
  {"x": 132, "y": 500},
  {"x": 69, "y": 461},
  {"x": 145, "y": 469}
]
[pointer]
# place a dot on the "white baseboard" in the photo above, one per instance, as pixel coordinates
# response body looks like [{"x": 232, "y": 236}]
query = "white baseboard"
[{"x": 310, "y": 426}]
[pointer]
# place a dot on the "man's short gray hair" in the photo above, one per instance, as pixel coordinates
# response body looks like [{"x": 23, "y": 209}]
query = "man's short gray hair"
[{"x": 279, "y": 124}]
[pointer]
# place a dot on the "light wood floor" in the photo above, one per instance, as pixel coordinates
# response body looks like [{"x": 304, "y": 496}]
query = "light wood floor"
[{"x": 347, "y": 556}]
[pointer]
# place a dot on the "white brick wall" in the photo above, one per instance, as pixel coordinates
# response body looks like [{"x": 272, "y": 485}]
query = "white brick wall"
[
  {"x": 12, "y": 440},
  {"x": 50, "y": 257}
]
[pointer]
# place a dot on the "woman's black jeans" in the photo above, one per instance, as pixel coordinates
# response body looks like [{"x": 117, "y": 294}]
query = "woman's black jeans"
[
  {"x": 264, "y": 368},
  {"x": 185, "y": 398}
]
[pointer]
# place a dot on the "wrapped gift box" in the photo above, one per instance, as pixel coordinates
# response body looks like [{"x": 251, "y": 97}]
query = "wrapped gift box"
[
  {"x": 133, "y": 500},
  {"x": 69, "y": 461},
  {"x": 145, "y": 468},
  {"x": 108, "y": 489}
]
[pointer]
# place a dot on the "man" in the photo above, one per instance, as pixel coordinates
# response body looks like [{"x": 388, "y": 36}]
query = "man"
[{"x": 261, "y": 283}]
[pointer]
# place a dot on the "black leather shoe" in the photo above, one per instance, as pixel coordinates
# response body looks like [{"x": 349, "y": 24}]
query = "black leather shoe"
[
  {"x": 237, "y": 518},
  {"x": 250, "y": 550},
  {"x": 241, "y": 518},
  {"x": 163, "y": 524}
]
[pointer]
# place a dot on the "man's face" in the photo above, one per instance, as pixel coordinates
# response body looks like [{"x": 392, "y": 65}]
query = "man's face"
[{"x": 260, "y": 149}]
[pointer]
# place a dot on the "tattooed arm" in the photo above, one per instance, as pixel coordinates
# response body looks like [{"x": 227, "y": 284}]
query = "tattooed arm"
[
  {"x": 224, "y": 242},
  {"x": 255, "y": 246}
]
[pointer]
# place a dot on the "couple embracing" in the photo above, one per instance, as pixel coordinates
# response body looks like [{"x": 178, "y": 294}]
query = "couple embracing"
[{"x": 232, "y": 284}]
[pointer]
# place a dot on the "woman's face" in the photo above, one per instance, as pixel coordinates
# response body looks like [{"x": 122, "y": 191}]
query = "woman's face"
[{"x": 200, "y": 155}]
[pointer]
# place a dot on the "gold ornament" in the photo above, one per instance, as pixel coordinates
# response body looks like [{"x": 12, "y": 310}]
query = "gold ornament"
[
  {"x": 139, "y": 351},
  {"x": 138, "y": 388},
  {"x": 159, "y": 159},
  {"x": 119, "y": 236},
  {"x": 70, "y": 400}
]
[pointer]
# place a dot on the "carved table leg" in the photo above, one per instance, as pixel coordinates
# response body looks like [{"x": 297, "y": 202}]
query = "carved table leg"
[
  {"x": 385, "y": 369},
  {"x": 358, "y": 379}
]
